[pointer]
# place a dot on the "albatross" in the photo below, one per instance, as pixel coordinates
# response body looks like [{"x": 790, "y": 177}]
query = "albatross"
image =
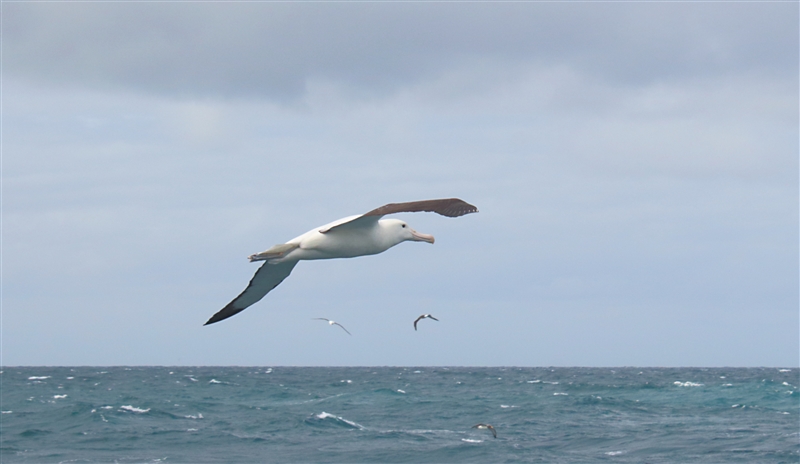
[
  {"x": 349, "y": 237},
  {"x": 330, "y": 322},
  {"x": 423, "y": 317},
  {"x": 486, "y": 426}
]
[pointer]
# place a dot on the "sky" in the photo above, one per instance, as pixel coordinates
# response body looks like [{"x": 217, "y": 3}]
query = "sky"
[{"x": 635, "y": 165}]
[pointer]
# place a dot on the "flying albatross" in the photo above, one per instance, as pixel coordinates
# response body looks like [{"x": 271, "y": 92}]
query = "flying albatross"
[
  {"x": 330, "y": 322},
  {"x": 485, "y": 426},
  {"x": 359, "y": 235},
  {"x": 423, "y": 317}
]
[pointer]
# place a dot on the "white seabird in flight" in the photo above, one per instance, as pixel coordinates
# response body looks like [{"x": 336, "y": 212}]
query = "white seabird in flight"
[
  {"x": 330, "y": 322},
  {"x": 423, "y": 317},
  {"x": 359, "y": 235},
  {"x": 485, "y": 426}
]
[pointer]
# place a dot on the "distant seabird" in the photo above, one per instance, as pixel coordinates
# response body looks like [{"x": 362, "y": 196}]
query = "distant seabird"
[
  {"x": 423, "y": 317},
  {"x": 330, "y": 322},
  {"x": 485, "y": 426},
  {"x": 359, "y": 235}
]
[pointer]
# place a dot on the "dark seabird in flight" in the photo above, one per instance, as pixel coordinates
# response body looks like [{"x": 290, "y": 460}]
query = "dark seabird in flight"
[
  {"x": 330, "y": 322},
  {"x": 423, "y": 317},
  {"x": 485, "y": 426},
  {"x": 359, "y": 235}
]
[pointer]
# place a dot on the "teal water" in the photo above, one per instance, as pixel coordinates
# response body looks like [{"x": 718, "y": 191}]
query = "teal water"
[{"x": 395, "y": 414}]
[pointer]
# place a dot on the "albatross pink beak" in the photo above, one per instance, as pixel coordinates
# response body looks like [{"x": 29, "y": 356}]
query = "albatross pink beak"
[{"x": 418, "y": 237}]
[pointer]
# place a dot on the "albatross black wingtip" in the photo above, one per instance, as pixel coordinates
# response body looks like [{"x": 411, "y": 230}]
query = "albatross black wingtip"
[
  {"x": 455, "y": 207},
  {"x": 223, "y": 314}
]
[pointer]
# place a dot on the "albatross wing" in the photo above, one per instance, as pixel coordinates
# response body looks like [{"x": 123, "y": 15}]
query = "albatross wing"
[
  {"x": 450, "y": 207},
  {"x": 267, "y": 277}
]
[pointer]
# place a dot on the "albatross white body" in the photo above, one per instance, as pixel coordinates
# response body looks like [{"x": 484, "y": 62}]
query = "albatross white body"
[
  {"x": 348, "y": 238},
  {"x": 359, "y": 235}
]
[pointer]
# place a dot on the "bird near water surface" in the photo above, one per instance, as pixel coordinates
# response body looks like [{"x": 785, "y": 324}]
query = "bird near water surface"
[
  {"x": 349, "y": 237},
  {"x": 486, "y": 426}
]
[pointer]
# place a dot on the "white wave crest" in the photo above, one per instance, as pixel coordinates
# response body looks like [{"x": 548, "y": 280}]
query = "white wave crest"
[
  {"x": 469, "y": 440},
  {"x": 687, "y": 384},
  {"x": 325, "y": 415},
  {"x": 42, "y": 377},
  {"x": 58, "y": 397},
  {"x": 134, "y": 409}
]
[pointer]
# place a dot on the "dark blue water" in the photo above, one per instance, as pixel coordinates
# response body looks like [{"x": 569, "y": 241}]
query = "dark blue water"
[{"x": 392, "y": 414}]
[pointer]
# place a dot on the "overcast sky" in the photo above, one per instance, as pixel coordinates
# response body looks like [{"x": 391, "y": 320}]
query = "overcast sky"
[{"x": 635, "y": 166}]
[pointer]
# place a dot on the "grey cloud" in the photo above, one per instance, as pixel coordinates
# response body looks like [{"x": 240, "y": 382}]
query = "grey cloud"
[{"x": 273, "y": 49}]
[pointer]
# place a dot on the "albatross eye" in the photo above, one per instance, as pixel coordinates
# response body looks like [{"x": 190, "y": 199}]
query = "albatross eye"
[{"x": 403, "y": 226}]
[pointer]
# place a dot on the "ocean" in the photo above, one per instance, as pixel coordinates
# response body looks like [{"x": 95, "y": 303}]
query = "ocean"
[{"x": 398, "y": 414}]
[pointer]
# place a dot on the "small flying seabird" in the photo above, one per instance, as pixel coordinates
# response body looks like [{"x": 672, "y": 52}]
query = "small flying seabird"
[
  {"x": 330, "y": 322},
  {"x": 423, "y": 317},
  {"x": 359, "y": 235},
  {"x": 485, "y": 426}
]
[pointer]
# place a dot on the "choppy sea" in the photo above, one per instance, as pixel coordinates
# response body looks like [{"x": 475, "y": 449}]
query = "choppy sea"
[{"x": 398, "y": 414}]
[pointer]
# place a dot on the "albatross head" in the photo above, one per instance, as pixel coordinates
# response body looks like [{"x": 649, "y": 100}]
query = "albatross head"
[{"x": 401, "y": 232}]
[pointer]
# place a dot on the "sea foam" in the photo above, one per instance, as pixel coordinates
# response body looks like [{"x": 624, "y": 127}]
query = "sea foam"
[{"x": 134, "y": 409}]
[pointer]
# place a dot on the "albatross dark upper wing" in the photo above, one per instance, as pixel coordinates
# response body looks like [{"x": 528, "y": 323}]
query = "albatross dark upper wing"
[
  {"x": 267, "y": 277},
  {"x": 450, "y": 207}
]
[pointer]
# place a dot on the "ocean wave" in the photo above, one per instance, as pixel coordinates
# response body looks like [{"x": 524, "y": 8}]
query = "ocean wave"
[
  {"x": 687, "y": 384},
  {"x": 338, "y": 419},
  {"x": 134, "y": 409},
  {"x": 637, "y": 415},
  {"x": 38, "y": 377}
]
